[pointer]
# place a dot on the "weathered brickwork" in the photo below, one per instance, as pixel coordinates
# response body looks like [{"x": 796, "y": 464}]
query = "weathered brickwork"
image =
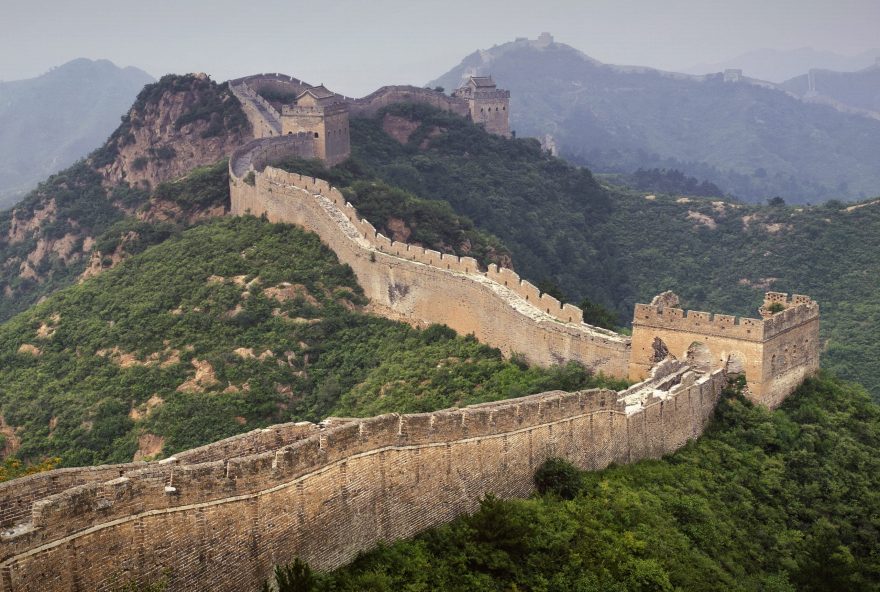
[
  {"x": 484, "y": 104},
  {"x": 334, "y": 491},
  {"x": 488, "y": 105},
  {"x": 776, "y": 353}
]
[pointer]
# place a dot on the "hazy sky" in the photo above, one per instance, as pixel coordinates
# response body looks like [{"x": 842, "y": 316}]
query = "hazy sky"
[{"x": 355, "y": 46}]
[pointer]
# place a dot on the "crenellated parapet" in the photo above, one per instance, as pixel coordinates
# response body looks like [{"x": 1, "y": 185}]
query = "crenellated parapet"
[
  {"x": 775, "y": 352},
  {"x": 421, "y": 285},
  {"x": 704, "y": 323},
  {"x": 327, "y": 492},
  {"x": 387, "y": 95}
]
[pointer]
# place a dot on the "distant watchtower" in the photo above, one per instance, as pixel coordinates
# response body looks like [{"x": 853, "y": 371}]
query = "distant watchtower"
[
  {"x": 324, "y": 114},
  {"x": 489, "y": 105}
]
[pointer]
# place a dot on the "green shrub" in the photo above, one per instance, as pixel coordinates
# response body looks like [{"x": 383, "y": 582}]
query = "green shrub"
[{"x": 558, "y": 477}]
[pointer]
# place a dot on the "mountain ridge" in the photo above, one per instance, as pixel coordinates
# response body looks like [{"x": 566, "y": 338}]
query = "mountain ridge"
[
  {"x": 50, "y": 121},
  {"x": 745, "y": 135}
]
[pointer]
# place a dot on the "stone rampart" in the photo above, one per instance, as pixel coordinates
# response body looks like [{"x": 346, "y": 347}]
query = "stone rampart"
[
  {"x": 335, "y": 491},
  {"x": 425, "y": 286},
  {"x": 17, "y": 496},
  {"x": 776, "y": 353},
  {"x": 700, "y": 322},
  {"x": 387, "y": 95},
  {"x": 265, "y": 150},
  {"x": 264, "y": 118}
]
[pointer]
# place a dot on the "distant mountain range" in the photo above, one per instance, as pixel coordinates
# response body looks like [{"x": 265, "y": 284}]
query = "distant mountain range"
[
  {"x": 777, "y": 65},
  {"x": 48, "y": 122},
  {"x": 751, "y": 138}
]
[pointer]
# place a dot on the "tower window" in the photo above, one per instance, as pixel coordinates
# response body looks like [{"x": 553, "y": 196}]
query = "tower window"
[{"x": 316, "y": 134}]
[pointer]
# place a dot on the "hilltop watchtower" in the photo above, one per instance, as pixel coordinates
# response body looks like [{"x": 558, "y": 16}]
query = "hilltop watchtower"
[
  {"x": 775, "y": 352},
  {"x": 324, "y": 114},
  {"x": 489, "y": 105}
]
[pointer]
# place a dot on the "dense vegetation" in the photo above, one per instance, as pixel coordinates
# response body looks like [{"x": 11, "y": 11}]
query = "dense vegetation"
[
  {"x": 617, "y": 248},
  {"x": 773, "y": 501},
  {"x": 672, "y": 182},
  {"x": 75, "y": 206},
  {"x": 220, "y": 329},
  {"x": 72, "y": 197},
  {"x": 751, "y": 141},
  {"x": 51, "y": 121}
]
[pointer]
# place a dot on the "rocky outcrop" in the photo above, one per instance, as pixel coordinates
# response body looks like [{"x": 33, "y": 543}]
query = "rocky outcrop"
[{"x": 191, "y": 122}]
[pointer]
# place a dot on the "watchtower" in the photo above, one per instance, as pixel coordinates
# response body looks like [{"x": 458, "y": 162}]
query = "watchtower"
[
  {"x": 775, "y": 352},
  {"x": 324, "y": 114},
  {"x": 489, "y": 105}
]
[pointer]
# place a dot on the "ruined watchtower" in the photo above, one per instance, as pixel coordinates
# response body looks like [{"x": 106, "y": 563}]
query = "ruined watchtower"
[
  {"x": 489, "y": 105},
  {"x": 775, "y": 352},
  {"x": 324, "y": 114}
]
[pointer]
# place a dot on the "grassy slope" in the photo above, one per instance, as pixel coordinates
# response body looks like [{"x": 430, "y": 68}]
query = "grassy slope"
[
  {"x": 773, "y": 501},
  {"x": 114, "y": 345}
]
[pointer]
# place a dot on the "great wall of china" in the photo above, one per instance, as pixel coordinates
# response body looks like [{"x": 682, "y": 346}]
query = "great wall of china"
[{"x": 220, "y": 516}]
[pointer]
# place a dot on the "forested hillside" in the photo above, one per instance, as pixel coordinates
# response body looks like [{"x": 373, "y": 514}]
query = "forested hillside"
[
  {"x": 51, "y": 121},
  {"x": 220, "y": 329},
  {"x": 772, "y": 501},
  {"x": 753, "y": 141},
  {"x": 112, "y": 198},
  {"x": 617, "y": 248}
]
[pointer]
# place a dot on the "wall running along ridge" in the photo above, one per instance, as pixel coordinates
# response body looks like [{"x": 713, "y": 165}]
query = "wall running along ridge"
[
  {"x": 422, "y": 285},
  {"x": 219, "y": 517}
]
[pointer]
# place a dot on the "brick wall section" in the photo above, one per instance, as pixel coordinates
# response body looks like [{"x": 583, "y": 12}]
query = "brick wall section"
[
  {"x": 389, "y": 95},
  {"x": 17, "y": 496},
  {"x": 776, "y": 353},
  {"x": 222, "y": 524},
  {"x": 425, "y": 286},
  {"x": 265, "y": 120}
]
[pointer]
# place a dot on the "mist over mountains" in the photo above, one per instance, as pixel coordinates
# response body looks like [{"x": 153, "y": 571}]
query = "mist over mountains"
[
  {"x": 858, "y": 90},
  {"x": 48, "y": 122},
  {"x": 776, "y": 65},
  {"x": 749, "y": 137}
]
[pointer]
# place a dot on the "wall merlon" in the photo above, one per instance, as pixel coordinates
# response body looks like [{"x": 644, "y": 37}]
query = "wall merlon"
[
  {"x": 470, "y": 265},
  {"x": 529, "y": 291},
  {"x": 383, "y": 242},
  {"x": 572, "y": 314},
  {"x": 550, "y": 305}
]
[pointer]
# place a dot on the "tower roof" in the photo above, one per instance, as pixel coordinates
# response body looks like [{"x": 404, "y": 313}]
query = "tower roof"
[
  {"x": 482, "y": 81},
  {"x": 320, "y": 93}
]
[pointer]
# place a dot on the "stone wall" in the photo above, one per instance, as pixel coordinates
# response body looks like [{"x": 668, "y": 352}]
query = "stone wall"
[
  {"x": 265, "y": 120},
  {"x": 18, "y": 496},
  {"x": 775, "y": 353},
  {"x": 333, "y": 492},
  {"x": 424, "y": 286},
  {"x": 388, "y": 95}
]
